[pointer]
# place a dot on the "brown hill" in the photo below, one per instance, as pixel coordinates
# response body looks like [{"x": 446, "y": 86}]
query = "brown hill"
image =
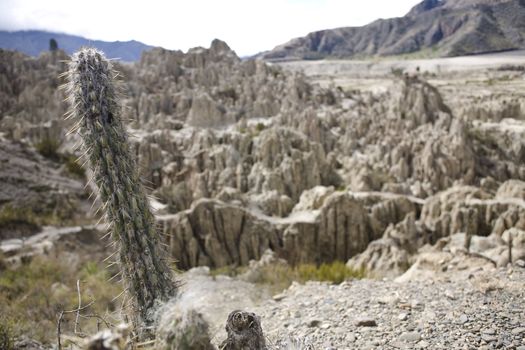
[{"x": 443, "y": 27}]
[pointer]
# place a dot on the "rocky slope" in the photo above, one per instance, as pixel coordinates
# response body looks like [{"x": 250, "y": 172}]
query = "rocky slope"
[
  {"x": 433, "y": 27},
  {"x": 481, "y": 311},
  {"x": 35, "y": 191}
]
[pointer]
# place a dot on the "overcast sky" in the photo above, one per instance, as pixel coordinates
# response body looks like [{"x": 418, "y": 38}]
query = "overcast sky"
[{"x": 248, "y": 26}]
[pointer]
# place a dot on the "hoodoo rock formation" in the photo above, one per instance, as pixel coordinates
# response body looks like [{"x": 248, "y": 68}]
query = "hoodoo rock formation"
[{"x": 242, "y": 156}]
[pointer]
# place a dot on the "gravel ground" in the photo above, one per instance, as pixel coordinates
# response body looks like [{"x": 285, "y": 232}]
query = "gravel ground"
[{"x": 484, "y": 310}]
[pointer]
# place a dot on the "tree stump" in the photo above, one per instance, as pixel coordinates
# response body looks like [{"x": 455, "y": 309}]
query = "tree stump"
[{"x": 244, "y": 332}]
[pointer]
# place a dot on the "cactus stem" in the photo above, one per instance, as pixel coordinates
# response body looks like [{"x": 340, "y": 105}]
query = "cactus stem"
[
  {"x": 93, "y": 97},
  {"x": 106, "y": 236},
  {"x": 109, "y": 257}
]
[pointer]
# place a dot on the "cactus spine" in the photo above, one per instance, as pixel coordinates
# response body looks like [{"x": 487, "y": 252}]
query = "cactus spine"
[{"x": 95, "y": 106}]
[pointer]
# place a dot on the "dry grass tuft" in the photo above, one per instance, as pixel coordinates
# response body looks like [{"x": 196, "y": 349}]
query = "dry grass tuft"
[
  {"x": 280, "y": 276},
  {"x": 34, "y": 294}
]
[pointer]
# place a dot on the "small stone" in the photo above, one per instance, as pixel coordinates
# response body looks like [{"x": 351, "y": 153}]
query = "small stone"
[
  {"x": 388, "y": 300},
  {"x": 518, "y": 330},
  {"x": 450, "y": 295},
  {"x": 402, "y": 316},
  {"x": 405, "y": 306},
  {"x": 411, "y": 337},
  {"x": 397, "y": 344},
  {"x": 488, "y": 338},
  {"x": 314, "y": 323},
  {"x": 279, "y": 297},
  {"x": 366, "y": 322},
  {"x": 325, "y": 326},
  {"x": 416, "y": 304},
  {"x": 463, "y": 319},
  {"x": 489, "y": 331},
  {"x": 423, "y": 344}
]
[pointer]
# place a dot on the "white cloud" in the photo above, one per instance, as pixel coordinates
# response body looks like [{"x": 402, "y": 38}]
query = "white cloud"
[{"x": 248, "y": 26}]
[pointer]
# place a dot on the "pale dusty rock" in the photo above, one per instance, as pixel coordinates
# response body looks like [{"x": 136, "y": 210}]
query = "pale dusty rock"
[
  {"x": 217, "y": 234},
  {"x": 180, "y": 328},
  {"x": 382, "y": 257},
  {"x": 253, "y": 274},
  {"x": 366, "y": 322},
  {"x": 454, "y": 210},
  {"x": 230, "y": 194},
  {"x": 313, "y": 199},
  {"x": 272, "y": 203},
  {"x": 150, "y": 163},
  {"x": 343, "y": 230},
  {"x": 503, "y": 145},
  {"x": 418, "y": 101},
  {"x": 512, "y": 189},
  {"x": 205, "y": 112},
  {"x": 287, "y": 162},
  {"x": 450, "y": 214}
]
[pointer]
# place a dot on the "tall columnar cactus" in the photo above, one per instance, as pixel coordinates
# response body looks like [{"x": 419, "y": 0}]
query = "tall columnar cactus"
[{"x": 95, "y": 105}]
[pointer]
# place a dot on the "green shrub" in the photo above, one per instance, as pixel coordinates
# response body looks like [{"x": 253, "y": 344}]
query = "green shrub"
[
  {"x": 335, "y": 272},
  {"x": 3, "y": 264},
  {"x": 12, "y": 215},
  {"x": 231, "y": 271},
  {"x": 48, "y": 147},
  {"x": 260, "y": 127},
  {"x": 74, "y": 167},
  {"x": 7, "y": 335},
  {"x": 280, "y": 276},
  {"x": 396, "y": 72}
]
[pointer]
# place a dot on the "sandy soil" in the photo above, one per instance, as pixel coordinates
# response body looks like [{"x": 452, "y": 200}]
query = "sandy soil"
[{"x": 382, "y": 66}]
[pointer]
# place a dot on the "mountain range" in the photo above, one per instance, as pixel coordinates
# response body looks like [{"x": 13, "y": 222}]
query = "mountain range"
[
  {"x": 433, "y": 28},
  {"x": 33, "y": 42}
]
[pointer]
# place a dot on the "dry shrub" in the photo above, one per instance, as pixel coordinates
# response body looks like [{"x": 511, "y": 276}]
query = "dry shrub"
[{"x": 34, "y": 294}]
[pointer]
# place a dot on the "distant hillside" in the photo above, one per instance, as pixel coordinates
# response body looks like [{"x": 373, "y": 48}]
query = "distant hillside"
[
  {"x": 33, "y": 42},
  {"x": 440, "y": 27}
]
